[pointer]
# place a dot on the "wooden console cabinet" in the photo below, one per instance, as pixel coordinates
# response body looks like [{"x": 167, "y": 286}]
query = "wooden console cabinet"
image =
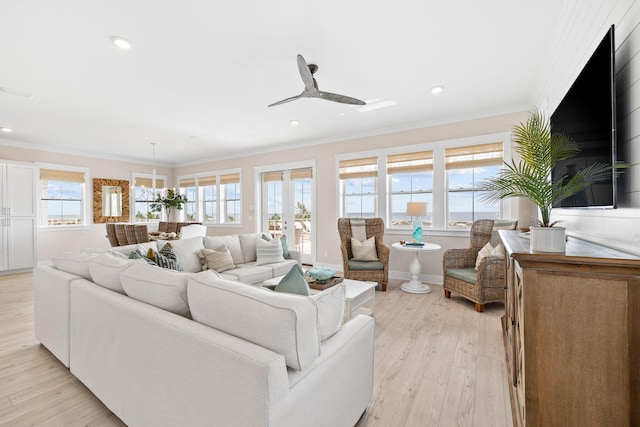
[{"x": 572, "y": 334}]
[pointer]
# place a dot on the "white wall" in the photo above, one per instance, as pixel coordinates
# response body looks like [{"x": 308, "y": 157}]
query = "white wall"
[
  {"x": 582, "y": 26},
  {"x": 54, "y": 241}
]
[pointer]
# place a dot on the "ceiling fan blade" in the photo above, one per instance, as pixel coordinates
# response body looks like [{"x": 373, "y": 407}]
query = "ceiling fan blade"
[
  {"x": 339, "y": 98},
  {"x": 293, "y": 98},
  {"x": 305, "y": 73}
]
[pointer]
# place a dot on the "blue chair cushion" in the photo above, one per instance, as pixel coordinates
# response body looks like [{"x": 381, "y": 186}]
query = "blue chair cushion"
[
  {"x": 465, "y": 274},
  {"x": 365, "y": 265}
]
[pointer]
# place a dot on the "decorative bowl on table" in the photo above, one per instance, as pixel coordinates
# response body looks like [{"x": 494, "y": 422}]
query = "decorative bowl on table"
[{"x": 320, "y": 274}]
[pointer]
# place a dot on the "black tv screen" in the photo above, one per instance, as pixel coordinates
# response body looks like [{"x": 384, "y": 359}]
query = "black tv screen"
[{"x": 587, "y": 114}]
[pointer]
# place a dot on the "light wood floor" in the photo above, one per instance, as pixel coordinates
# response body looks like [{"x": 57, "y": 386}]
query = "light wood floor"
[{"x": 437, "y": 363}]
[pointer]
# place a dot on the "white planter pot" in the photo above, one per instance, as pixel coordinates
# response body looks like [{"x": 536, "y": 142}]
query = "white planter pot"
[{"x": 548, "y": 239}]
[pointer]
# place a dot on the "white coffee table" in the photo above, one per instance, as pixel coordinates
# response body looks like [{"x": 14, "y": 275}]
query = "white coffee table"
[
  {"x": 414, "y": 286},
  {"x": 360, "y": 297}
]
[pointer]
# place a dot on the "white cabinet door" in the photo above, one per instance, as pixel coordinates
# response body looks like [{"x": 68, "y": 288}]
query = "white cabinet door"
[
  {"x": 4, "y": 250},
  {"x": 3, "y": 191},
  {"x": 21, "y": 187},
  {"x": 21, "y": 242}
]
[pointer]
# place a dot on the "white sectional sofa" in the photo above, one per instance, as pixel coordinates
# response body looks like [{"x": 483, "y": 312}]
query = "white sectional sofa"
[
  {"x": 239, "y": 355},
  {"x": 243, "y": 252}
]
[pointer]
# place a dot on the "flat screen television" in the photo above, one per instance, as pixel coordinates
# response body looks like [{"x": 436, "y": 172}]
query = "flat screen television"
[{"x": 587, "y": 114}]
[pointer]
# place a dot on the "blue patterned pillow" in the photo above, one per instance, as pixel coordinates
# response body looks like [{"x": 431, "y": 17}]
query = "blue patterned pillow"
[
  {"x": 167, "y": 251},
  {"x": 137, "y": 254},
  {"x": 161, "y": 260}
]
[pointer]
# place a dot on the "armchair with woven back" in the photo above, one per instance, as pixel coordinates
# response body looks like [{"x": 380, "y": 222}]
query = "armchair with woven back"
[
  {"x": 367, "y": 268},
  {"x": 479, "y": 280}
]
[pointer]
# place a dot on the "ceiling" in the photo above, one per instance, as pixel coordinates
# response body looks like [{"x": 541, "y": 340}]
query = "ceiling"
[{"x": 200, "y": 74}]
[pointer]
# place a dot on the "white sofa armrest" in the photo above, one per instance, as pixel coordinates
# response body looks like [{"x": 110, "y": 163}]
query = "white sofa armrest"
[{"x": 295, "y": 255}]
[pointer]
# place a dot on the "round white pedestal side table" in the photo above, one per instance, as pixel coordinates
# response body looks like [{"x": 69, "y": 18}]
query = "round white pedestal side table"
[{"x": 414, "y": 286}]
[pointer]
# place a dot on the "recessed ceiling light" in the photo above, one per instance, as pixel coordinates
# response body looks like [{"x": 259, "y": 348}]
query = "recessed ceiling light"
[
  {"x": 122, "y": 43},
  {"x": 437, "y": 89},
  {"x": 4, "y": 129},
  {"x": 294, "y": 123}
]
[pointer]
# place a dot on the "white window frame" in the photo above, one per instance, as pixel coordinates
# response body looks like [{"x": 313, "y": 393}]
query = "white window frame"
[
  {"x": 221, "y": 211},
  {"x": 134, "y": 200},
  {"x": 439, "y": 195},
  {"x": 84, "y": 202}
]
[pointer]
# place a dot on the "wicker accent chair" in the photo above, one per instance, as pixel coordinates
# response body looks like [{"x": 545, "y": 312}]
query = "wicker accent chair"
[
  {"x": 485, "y": 285},
  {"x": 374, "y": 271}
]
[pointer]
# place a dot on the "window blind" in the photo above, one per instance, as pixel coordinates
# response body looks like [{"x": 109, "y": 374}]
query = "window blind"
[
  {"x": 232, "y": 178},
  {"x": 206, "y": 180},
  {"x": 187, "y": 182},
  {"x": 61, "y": 175},
  {"x": 410, "y": 162},
  {"x": 473, "y": 156},
  {"x": 359, "y": 168},
  {"x": 272, "y": 176},
  {"x": 301, "y": 174},
  {"x": 148, "y": 182}
]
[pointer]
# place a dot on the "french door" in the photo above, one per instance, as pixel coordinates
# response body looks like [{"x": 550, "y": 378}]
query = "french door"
[{"x": 287, "y": 208}]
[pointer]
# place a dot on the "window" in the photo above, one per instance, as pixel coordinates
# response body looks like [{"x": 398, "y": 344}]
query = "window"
[
  {"x": 466, "y": 168},
  {"x": 230, "y": 188},
  {"x": 204, "y": 203},
  {"x": 189, "y": 189},
  {"x": 62, "y": 197},
  {"x": 358, "y": 187},
  {"x": 410, "y": 179},
  {"x": 144, "y": 190}
]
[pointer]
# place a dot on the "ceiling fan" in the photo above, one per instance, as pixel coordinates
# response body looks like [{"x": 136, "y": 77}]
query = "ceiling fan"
[{"x": 311, "y": 87}]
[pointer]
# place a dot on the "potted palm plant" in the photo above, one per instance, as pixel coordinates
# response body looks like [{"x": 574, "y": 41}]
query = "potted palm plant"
[
  {"x": 170, "y": 201},
  {"x": 539, "y": 151}
]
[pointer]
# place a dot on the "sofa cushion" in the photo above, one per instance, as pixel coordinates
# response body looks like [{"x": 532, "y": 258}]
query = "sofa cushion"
[
  {"x": 284, "y": 323},
  {"x": 331, "y": 303},
  {"x": 248, "y": 244},
  {"x": 232, "y": 242},
  {"x": 251, "y": 273},
  {"x": 465, "y": 274},
  {"x": 219, "y": 260},
  {"x": 187, "y": 252},
  {"x": 268, "y": 252},
  {"x": 166, "y": 289},
  {"x": 365, "y": 265},
  {"x": 105, "y": 271},
  {"x": 74, "y": 263},
  {"x": 281, "y": 268},
  {"x": 294, "y": 282},
  {"x": 126, "y": 250}
]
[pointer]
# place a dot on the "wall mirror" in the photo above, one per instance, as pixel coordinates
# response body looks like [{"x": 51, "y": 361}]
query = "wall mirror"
[{"x": 110, "y": 200}]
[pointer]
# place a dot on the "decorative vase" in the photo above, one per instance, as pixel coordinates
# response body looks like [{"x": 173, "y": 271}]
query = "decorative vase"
[{"x": 548, "y": 239}]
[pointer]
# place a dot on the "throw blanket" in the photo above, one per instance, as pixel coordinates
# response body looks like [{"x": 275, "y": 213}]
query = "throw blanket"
[{"x": 358, "y": 229}]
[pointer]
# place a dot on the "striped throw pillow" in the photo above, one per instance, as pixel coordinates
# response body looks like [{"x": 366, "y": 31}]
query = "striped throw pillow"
[
  {"x": 269, "y": 252},
  {"x": 220, "y": 260}
]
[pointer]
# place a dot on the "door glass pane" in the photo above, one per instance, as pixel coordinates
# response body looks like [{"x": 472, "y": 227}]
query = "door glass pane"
[{"x": 303, "y": 215}]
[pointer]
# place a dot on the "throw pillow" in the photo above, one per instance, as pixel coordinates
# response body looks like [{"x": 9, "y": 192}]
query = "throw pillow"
[
  {"x": 294, "y": 282},
  {"x": 283, "y": 239},
  {"x": 220, "y": 260},
  {"x": 167, "y": 251},
  {"x": 484, "y": 252},
  {"x": 137, "y": 254},
  {"x": 269, "y": 252},
  {"x": 163, "y": 261},
  {"x": 364, "y": 251},
  {"x": 330, "y": 310}
]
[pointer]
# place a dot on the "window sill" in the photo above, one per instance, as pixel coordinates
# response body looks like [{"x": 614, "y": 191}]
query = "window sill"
[{"x": 64, "y": 228}]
